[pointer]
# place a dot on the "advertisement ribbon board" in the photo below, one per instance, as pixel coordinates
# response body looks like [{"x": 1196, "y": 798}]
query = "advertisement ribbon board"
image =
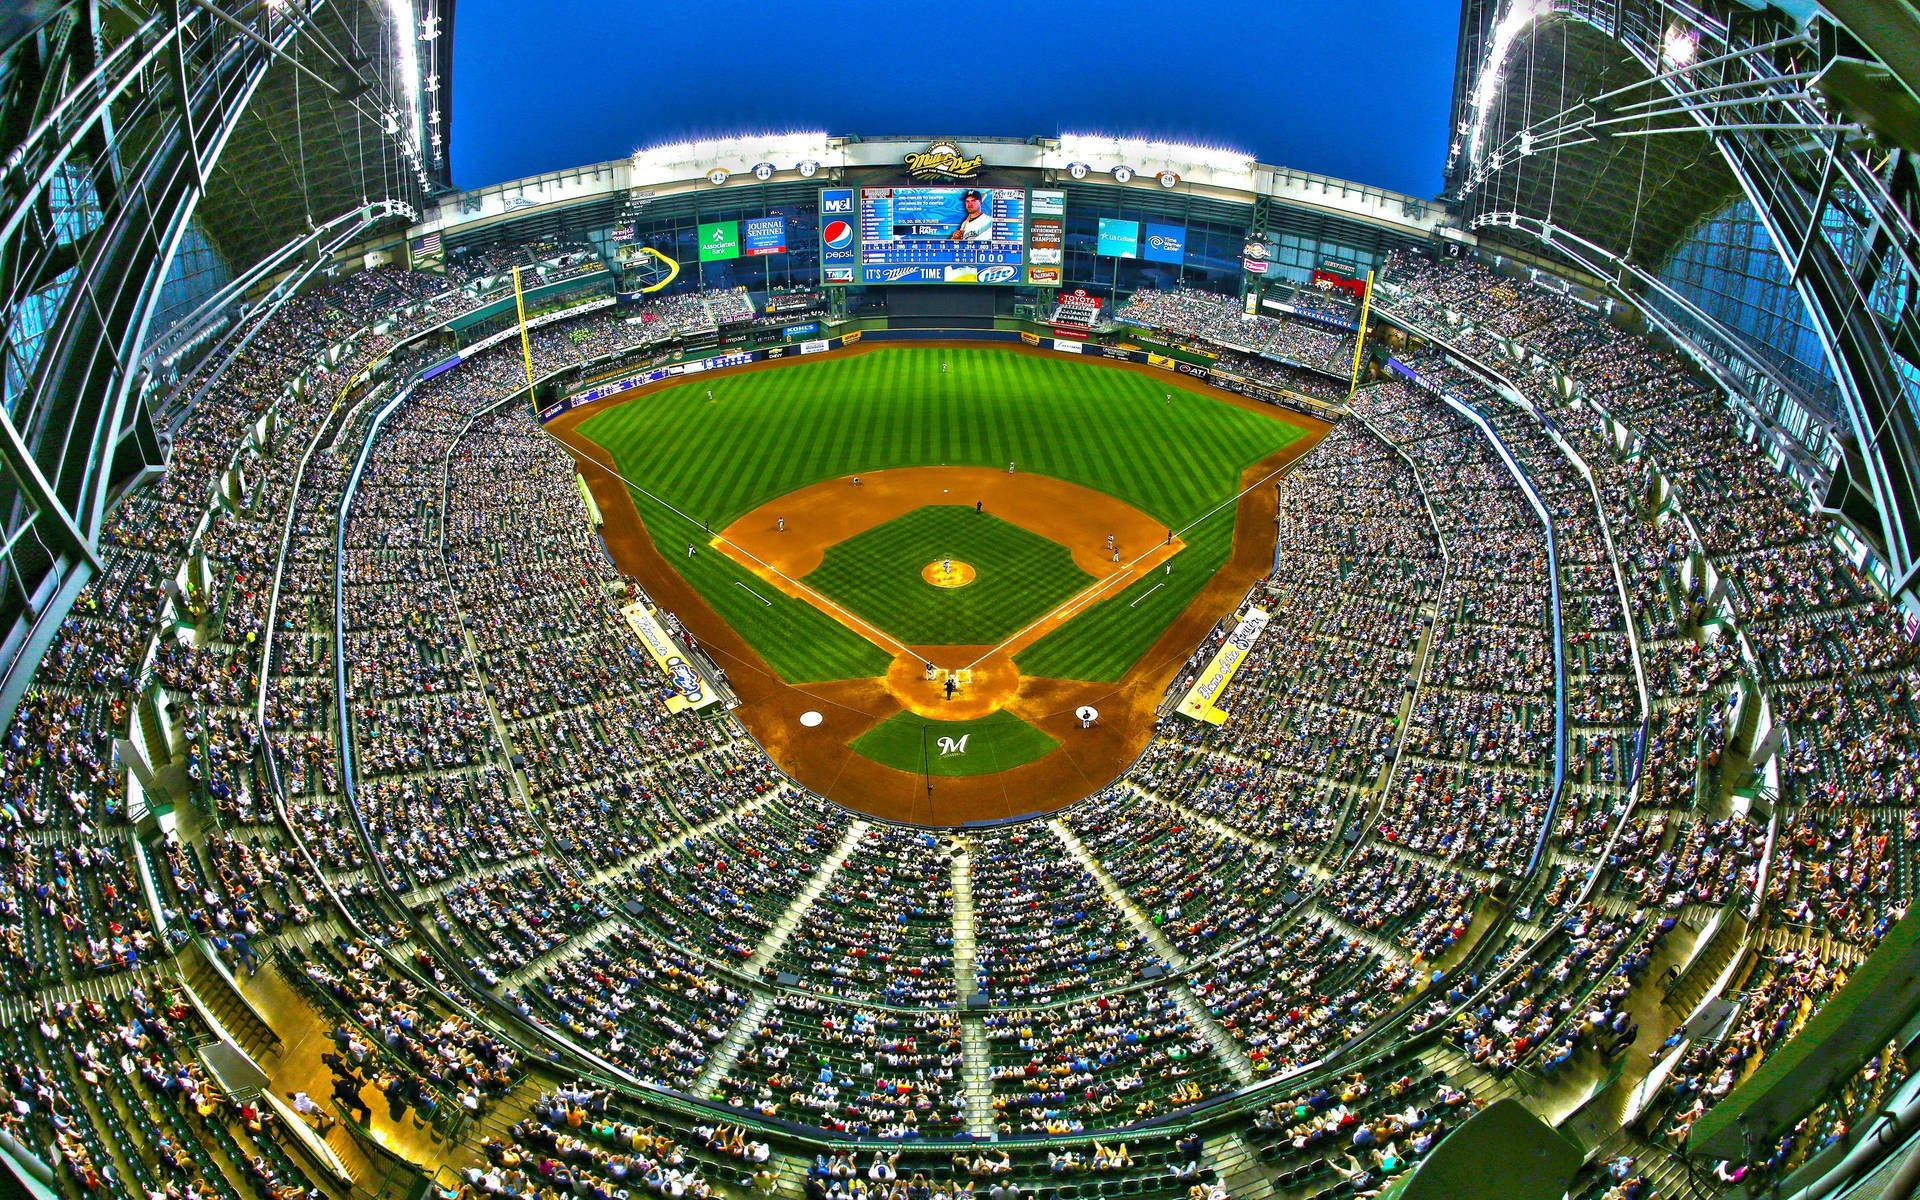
[
  {"x": 690, "y": 688},
  {"x": 1205, "y": 692}
]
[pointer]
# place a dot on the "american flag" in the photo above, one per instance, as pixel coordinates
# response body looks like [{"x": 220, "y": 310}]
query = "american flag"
[{"x": 429, "y": 244}]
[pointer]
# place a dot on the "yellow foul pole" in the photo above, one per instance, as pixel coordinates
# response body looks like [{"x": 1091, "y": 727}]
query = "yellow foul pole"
[
  {"x": 526, "y": 348},
  {"x": 1359, "y": 337}
]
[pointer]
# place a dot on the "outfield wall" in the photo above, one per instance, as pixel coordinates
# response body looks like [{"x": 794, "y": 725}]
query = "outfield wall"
[{"x": 664, "y": 367}]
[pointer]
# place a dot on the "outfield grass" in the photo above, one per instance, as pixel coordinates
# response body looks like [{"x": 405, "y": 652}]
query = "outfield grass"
[
  {"x": 770, "y": 432},
  {"x": 996, "y": 742},
  {"x": 876, "y": 574}
]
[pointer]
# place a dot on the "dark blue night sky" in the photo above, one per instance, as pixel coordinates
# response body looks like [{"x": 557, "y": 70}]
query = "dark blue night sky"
[{"x": 1357, "y": 89}]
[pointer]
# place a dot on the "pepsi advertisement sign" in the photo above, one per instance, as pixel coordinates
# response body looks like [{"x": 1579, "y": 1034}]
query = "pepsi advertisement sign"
[
  {"x": 1164, "y": 243},
  {"x": 837, "y": 235},
  {"x": 763, "y": 235}
]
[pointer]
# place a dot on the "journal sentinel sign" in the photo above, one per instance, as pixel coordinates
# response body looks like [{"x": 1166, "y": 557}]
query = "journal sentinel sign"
[{"x": 763, "y": 235}]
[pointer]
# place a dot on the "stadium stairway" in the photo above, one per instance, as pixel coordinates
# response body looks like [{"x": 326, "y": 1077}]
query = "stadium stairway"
[
  {"x": 1230, "y": 1050},
  {"x": 976, "y": 1071},
  {"x": 1224, "y": 1043},
  {"x": 219, "y": 993},
  {"x": 790, "y": 920},
  {"x": 965, "y": 983},
  {"x": 571, "y": 948},
  {"x": 606, "y": 874},
  {"x": 1213, "y": 824},
  {"x": 1142, "y": 925},
  {"x": 1238, "y": 1168},
  {"x": 976, "y": 1064},
  {"x": 1706, "y": 967},
  {"x": 728, "y": 1051},
  {"x": 1668, "y": 1176}
]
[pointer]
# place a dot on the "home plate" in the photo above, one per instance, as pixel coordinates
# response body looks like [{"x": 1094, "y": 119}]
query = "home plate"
[{"x": 810, "y": 718}]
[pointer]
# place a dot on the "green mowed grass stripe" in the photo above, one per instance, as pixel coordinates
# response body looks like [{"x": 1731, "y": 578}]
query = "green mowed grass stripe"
[
  {"x": 798, "y": 640},
  {"x": 768, "y": 433},
  {"x": 996, "y": 742},
  {"x": 876, "y": 574},
  {"x": 1104, "y": 639}
]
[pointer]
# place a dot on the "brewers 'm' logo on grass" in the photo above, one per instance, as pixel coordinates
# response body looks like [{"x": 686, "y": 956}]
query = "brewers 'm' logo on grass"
[{"x": 951, "y": 746}]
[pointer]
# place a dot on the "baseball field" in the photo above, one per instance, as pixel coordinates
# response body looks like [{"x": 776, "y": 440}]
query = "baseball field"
[{"x": 940, "y": 545}]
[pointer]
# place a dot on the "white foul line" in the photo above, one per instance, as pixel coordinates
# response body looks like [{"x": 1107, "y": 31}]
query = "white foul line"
[
  {"x": 854, "y": 620},
  {"x": 1090, "y": 593},
  {"x": 1080, "y": 600}
]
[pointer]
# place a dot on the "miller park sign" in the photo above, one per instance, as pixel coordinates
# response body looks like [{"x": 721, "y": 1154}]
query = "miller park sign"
[{"x": 942, "y": 160}]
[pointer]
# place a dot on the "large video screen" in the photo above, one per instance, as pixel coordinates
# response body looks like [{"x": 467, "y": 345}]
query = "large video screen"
[{"x": 942, "y": 234}]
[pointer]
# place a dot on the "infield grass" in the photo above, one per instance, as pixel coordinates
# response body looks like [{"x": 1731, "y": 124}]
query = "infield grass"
[
  {"x": 876, "y": 574},
  {"x": 772, "y": 431},
  {"x": 998, "y": 741}
]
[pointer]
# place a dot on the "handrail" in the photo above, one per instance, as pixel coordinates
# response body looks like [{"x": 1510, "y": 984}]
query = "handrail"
[{"x": 1553, "y": 591}]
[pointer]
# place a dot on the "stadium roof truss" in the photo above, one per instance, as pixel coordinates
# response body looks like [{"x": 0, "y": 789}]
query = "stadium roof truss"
[
  {"x": 278, "y": 128},
  {"x": 1604, "y": 131}
]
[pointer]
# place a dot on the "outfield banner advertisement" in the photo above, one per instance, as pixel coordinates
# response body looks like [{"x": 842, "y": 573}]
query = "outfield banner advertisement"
[
  {"x": 738, "y": 359},
  {"x": 814, "y": 347},
  {"x": 1164, "y": 243},
  {"x": 1201, "y": 697},
  {"x": 719, "y": 240},
  {"x": 1046, "y": 238},
  {"x": 1031, "y": 339},
  {"x": 837, "y": 236},
  {"x": 764, "y": 235},
  {"x": 1067, "y": 346},
  {"x": 1118, "y": 239},
  {"x": 624, "y": 383},
  {"x": 691, "y": 690},
  {"x": 1159, "y": 360}
]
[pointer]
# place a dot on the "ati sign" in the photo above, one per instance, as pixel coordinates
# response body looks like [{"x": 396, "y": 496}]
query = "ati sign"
[
  {"x": 942, "y": 160},
  {"x": 951, "y": 746}
]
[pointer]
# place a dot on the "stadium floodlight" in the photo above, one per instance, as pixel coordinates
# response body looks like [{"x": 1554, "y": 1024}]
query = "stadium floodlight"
[
  {"x": 1505, "y": 33},
  {"x": 1184, "y": 157},
  {"x": 689, "y": 159},
  {"x": 1680, "y": 46},
  {"x": 408, "y": 63}
]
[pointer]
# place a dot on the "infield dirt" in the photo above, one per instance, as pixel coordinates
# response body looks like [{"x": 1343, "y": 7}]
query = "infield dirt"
[{"x": 819, "y": 757}]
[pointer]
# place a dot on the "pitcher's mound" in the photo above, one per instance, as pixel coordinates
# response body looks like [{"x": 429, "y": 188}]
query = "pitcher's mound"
[{"x": 947, "y": 573}]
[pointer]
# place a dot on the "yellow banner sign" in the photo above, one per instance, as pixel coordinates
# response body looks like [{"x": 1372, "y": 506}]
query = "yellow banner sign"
[
  {"x": 690, "y": 688},
  {"x": 1201, "y": 697}
]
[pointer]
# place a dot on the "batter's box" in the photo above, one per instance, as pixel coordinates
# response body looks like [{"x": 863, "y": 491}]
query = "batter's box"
[{"x": 962, "y": 676}]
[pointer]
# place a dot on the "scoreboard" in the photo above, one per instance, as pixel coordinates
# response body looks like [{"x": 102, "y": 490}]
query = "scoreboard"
[{"x": 923, "y": 235}]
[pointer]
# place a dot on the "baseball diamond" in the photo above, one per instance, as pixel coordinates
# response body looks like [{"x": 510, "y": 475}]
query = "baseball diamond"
[
  {"x": 1025, "y": 574},
  {"x": 1099, "y": 559}
]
